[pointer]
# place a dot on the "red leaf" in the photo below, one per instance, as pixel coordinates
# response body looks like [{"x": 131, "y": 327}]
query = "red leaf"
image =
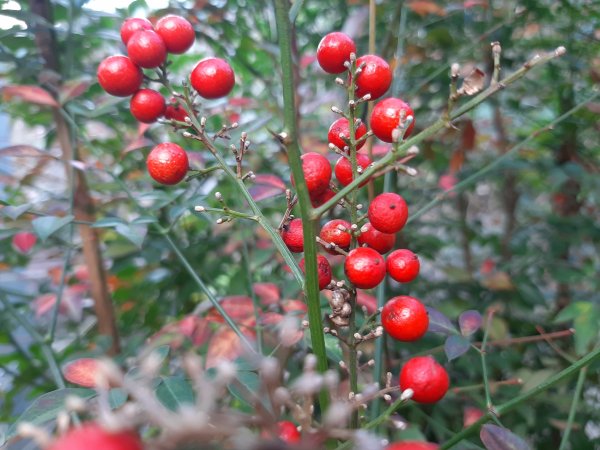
[
  {"x": 268, "y": 292},
  {"x": 271, "y": 318},
  {"x": 30, "y": 94},
  {"x": 24, "y": 241},
  {"x": 471, "y": 415},
  {"x": 72, "y": 89},
  {"x": 265, "y": 186},
  {"x": 294, "y": 305},
  {"x": 238, "y": 307},
  {"x": 447, "y": 182},
  {"x": 468, "y": 135},
  {"x": 226, "y": 345},
  {"x": 240, "y": 101},
  {"x": 366, "y": 300},
  {"x": 424, "y": 7},
  {"x": 381, "y": 149},
  {"x": 82, "y": 372}
]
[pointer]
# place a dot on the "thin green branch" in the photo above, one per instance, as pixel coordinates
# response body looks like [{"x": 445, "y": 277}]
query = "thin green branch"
[
  {"x": 255, "y": 300},
  {"x": 482, "y": 352},
  {"x": 576, "y": 398}
]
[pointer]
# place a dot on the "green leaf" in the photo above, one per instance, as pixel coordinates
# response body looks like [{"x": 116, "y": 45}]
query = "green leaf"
[
  {"x": 47, "y": 226},
  {"x": 245, "y": 386},
  {"x": 174, "y": 392},
  {"x": 586, "y": 330},
  {"x": 133, "y": 233},
  {"x": 108, "y": 222},
  {"x": 143, "y": 220},
  {"x": 456, "y": 346},
  {"x": 46, "y": 407},
  {"x": 116, "y": 398},
  {"x": 15, "y": 211},
  {"x": 573, "y": 311}
]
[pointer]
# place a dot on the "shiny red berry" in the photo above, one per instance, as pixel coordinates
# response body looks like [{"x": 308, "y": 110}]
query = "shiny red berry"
[
  {"x": 90, "y": 435},
  {"x": 382, "y": 242},
  {"x": 147, "y": 49},
  {"x": 336, "y": 232},
  {"x": 132, "y": 25},
  {"x": 293, "y": 236},
  {"x": 428, "y": 379},
  {"x": 388, "y": 212},
  {"x": 177, "y": 33},
  {"x": 212, "y": 78},
  {"x": 343, "y": 168},
  {"x": 405, "y": 318},
  {"x": 288, "y": 432},
  {"x": 317, "y": 173},
  {"x": 119, "y": 76},
  {"x": 167, "y": 163},
  {"x": 375, "y": 77},
  {"x": 387, "y": 115},
  {"x": 175, "y": 112},
  {"x": 334, "y": 50},
  {"x": 364, "y": 267},
  {"x": 323, "y": 270},
  {"x": 403, "y": 265},
  {"x": 342, "y": 127},
  {"x": 147, "y": 105},
  {"x": 320, "y": 199},
  {"x": 412, "y": 445}
]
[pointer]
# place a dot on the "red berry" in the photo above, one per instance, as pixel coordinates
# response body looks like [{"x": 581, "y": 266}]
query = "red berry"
[
  {"x": 175, "y": 112},
  {"x": 387, "y": 115},
  {"x": 342, "y": 127},
  {"x": 167, "y": 163},
  {"x": 405, "y": 318},
  {"x": 318, "y": 200},
  {"x": 317, "y": 173},
  {"x": 323, "y": 270},
  {"x": 287, "y": 432},
  {"x": 293, "y": 236},
  {"x": 428, "y": 379},
  {"x": 133, "y": 25},
  {"x": 147, "y": 49},
  {"x": 343, "y": 168},
  {"x": 147, "y": 105},
  {"x": 119, "y": 76},
  {"x": 382, "y": 242},
  {"x": 177, "y": 33},
  {"x": 331, "y": 233},
  {"x": 412, "y": 445},
  {"x": 388, "y": 212},
  {"x": 334, "y": 50},
  {"x": 212, "y": 78},
  {"x": 375, "y": 78},
  {"x": 364, "y": 267},
  {"x": 403, "y": 265},
  {"x": 90, "y": 435}
]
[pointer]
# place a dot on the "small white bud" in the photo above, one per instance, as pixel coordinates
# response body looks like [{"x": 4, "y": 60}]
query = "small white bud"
[
  {"x": 407, "y": 394},
  {"x": 199, "y": 208},
  {"x": 218, "y": 196},
  {"x": 413, "y": 150}
]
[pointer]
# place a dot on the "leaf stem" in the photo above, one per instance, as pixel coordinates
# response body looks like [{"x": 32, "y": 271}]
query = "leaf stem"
[{"x": 576, "y": 397}]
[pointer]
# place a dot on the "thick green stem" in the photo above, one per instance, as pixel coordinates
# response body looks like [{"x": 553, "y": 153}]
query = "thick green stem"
[
  {"x": 284, "y": 36},
  {"x": 517, "y": 401}
]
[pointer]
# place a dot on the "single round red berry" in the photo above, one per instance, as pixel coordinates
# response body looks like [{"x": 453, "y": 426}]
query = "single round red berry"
[
  {"x": 119, "y": 76},
  {"x": 293, "y": 236},
  {"x": 388, "y": 212},
  {"x": 405, "y": 318},
  {"x": 175, "y": 112},
  {"x": 287, "y": 432},
  {"x": 177, "y": 32},
  {"x": 375, "y": 77},
  {"x": 334, "y": 50},
  {"x": 343, "y": 168},
  {"x": 342, "y": 127},
  {"x": 387, "y": 115},
  {"x": 147, "y": 49},
  {"x": 364, "y": 267},
  {"x": 212, "y": 78},
  {"x": 323, "y": 270},
  {"x": 336, "y": 232},
  {"x": 317, "y": 173},
  {"x": 403, "y": 265},
  {"x": 412, "y": 445},
  {"x": 147, "y": 105},
  {"x": 320, "y": 199},
  {"x": 91, "y": 435},
  {"x": 132, "y": 25},
  {"x": 428, "y": 379},
  {"x": 382, "y": 242},
  {"x": 167, "y": 163}
]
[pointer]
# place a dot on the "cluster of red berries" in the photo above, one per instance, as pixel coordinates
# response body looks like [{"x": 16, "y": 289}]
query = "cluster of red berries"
[{"x": 147, "y": 48}]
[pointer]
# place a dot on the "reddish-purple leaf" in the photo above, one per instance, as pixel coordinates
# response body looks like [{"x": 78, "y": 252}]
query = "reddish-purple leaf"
[
  {"x": 24, "y": 241},
  {"x": 265, "y": 186},
  {"x": 498, "y": 438},
  {"x": 439, "y": 323},
  {"x": 469, "y": 322},
  {"x": 225, "y": 345},
  {"x": 81, "y": 372},
  {"x": 366, "y": 300},
  {"x": 23, "y": 151},
  {"x": 456, "y": 346},
  {"x": 30, "y": 94},
  {"x": 267, "y": 292},
  {"x": 72, "y": 89},
  {"x": 239, "y": 307}
]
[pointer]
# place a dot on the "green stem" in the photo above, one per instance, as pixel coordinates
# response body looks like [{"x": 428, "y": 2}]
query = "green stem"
[
  {"x": 284, "y": 36},
  {"x": 434, "y": 128},
  {"x": 482, "y": 352},
  {"x": 517, "y": 401},
  {"x": 576, "y": 397},
  {"x": 255, "y": 301}
]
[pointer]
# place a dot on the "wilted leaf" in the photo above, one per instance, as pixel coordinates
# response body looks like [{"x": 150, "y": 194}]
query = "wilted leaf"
[
  {"x": 468, "y": 135},
  {"x": 81, "y": 372},
  {"x": 30, "y": 94},
  {"x": 24, "y": 241},
  {"x": 46, "y": 226},
  {"x": 473, "y": 83},
  {"x": 173, "y": 392},
  {"x": 439, "y": 323},
  {"x": 469, "y": 322},
  {"x": 267, "y": 292},
  {"x": 456, "y": 346},
  {"x": 498, "y": 438},
  {"x": 425, "y": 7}
]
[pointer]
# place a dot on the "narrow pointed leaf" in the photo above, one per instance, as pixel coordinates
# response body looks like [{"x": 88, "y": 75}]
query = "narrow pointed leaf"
[{"x": 498, "y": 438}]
